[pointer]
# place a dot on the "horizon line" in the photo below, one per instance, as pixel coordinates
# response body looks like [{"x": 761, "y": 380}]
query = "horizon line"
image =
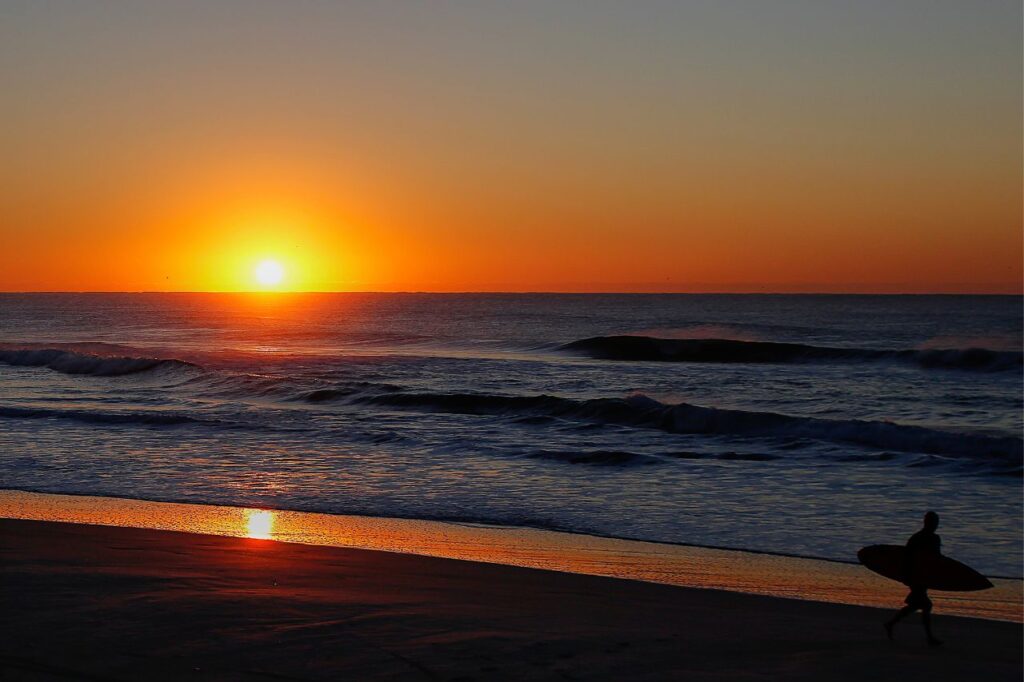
[{"x": 523, "y": 292}]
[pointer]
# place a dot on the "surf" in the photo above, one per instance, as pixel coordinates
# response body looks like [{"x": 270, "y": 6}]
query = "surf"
[
  {"x": 714, "y": 350},
  {"x": 640, "y": 411},
  {"x": 78, "y": 363}
]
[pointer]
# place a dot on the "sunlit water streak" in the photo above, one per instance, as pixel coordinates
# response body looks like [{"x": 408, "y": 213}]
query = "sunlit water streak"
[{"x": 702, "y": 567}]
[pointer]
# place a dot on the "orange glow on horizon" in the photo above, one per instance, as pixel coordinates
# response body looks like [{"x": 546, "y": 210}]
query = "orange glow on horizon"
[
  {"x": 316, "y": 246},
  {"x": 211, "y": 232}
]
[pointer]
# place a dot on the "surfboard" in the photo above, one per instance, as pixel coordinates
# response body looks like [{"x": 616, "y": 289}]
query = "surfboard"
[{"x": 937, "y": 572}]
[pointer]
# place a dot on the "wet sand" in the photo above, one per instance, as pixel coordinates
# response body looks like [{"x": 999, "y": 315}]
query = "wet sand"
[
  {"x": 672, "y": 564},
  {"x": 96, "y": 602}
]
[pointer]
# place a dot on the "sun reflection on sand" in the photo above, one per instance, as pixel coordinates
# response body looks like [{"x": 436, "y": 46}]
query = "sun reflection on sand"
[{"x": 259, "y": 524}]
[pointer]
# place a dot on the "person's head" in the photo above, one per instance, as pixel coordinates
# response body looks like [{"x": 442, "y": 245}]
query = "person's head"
[{"x": 931, "y": 520}]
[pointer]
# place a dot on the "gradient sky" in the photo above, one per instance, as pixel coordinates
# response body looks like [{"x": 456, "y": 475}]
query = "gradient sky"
[{"x": 517, "y": 146}]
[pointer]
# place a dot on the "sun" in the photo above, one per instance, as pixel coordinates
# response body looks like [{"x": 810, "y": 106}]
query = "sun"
[{"x": 269, "y": 273}]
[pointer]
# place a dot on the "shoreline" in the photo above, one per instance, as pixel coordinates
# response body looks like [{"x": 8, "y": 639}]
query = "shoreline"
[
  {"x": 103, "y": 602},
  {"x": 453, "y": 522},
  {"x": 690, "y": 566}
]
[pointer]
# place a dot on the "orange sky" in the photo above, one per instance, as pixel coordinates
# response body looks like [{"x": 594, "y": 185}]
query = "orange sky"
[{"x": 497, "y": 148}]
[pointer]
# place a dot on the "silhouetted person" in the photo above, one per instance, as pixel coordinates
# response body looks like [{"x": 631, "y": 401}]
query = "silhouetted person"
[{"x": 921, "y": 544}]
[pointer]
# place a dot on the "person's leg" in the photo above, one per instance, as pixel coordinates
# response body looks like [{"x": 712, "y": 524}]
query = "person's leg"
[
  {"x": 926, "y": 620},
  {"x": 900, "y": 615}
]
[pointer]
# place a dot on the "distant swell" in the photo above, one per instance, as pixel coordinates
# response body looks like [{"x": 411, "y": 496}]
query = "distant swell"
[
  {"x": 70, "y": 362},
  {"x": 643, "y": 412},
  {"x": 619, "y": 458},
  {"x": 647, "y": 348},
  {"x": 609, "y": 458}
]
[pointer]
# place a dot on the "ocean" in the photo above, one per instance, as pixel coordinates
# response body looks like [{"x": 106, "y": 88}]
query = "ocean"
[{"x": 806, "y": 425}]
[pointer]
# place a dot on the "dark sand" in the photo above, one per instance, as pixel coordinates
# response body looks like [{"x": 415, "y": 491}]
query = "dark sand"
[{"x": 102, "y": 603}]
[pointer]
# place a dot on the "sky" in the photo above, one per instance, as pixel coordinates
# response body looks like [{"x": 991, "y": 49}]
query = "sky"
[{"x": 512, "y": 146}]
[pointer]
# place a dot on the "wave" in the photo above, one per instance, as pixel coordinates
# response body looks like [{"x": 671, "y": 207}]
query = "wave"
[
  {"x": 652, "y": 349},
  {"x": 622, "y": 458},
  {"x": 341, "y": 392},
  {"x": 95, "y": 417},
  {"x": 609, "y": 458},
  {"x": 640, "y": 411},
  {"x": 72, "y": 362}
]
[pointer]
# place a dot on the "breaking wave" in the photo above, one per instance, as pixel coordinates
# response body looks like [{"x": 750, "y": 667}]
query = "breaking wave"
[
  {"x": 71, "y": 362},
  {"x": 648, "y": 348},
  {"x": 642, "y": 412}
]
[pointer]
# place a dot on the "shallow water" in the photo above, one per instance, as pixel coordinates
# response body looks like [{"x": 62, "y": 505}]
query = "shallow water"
[{"x": 472, "y": 408}]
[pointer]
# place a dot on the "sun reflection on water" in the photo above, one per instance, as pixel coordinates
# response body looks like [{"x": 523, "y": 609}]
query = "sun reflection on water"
[
  {"x": 683, "y": 565},
  {"x": 259, "y": 524}
]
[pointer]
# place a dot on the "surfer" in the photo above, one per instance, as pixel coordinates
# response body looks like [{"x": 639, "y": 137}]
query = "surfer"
[{"x": 923, "y": 543}]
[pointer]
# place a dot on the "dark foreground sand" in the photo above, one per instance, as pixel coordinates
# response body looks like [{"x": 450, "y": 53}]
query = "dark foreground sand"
[{"x": 100, "y": 603}]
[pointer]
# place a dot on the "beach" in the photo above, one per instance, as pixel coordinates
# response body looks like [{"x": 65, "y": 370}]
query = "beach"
[
  {"x": 491, "y": 487},
  {"x": 97, "y": 602}
]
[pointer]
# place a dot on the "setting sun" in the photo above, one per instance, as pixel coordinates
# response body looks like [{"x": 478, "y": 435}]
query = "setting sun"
[{"x": 269, "y": 273}]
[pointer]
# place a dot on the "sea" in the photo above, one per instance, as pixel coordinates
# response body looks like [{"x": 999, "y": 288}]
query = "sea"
[{"x": 806, "y": 425}]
